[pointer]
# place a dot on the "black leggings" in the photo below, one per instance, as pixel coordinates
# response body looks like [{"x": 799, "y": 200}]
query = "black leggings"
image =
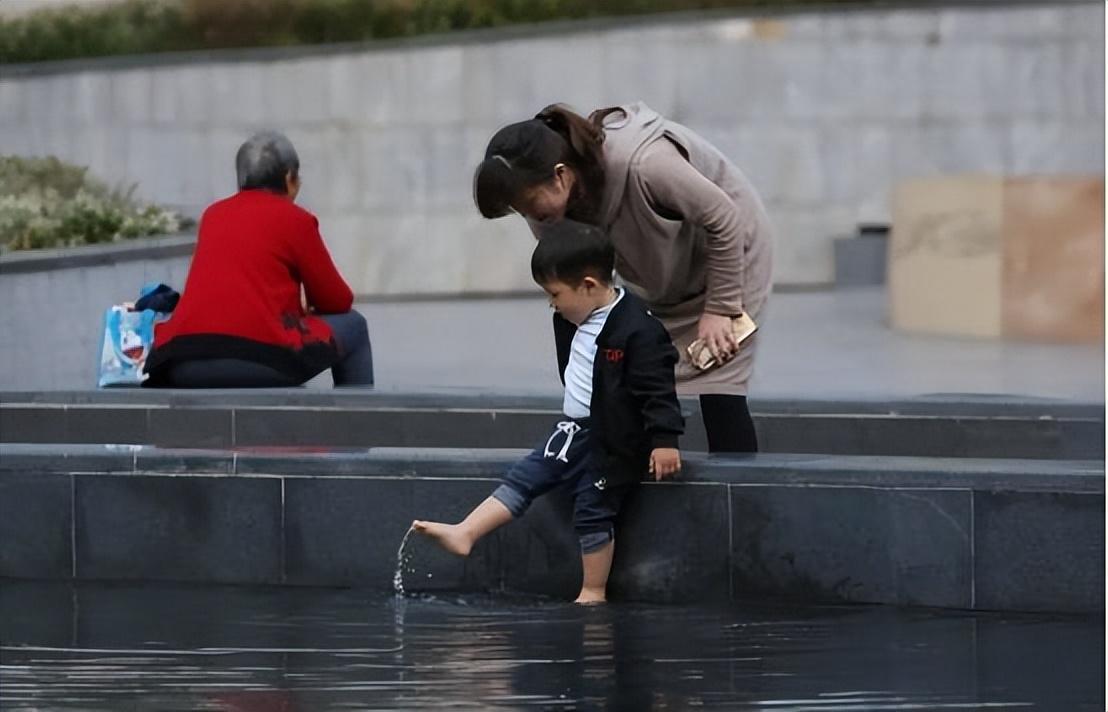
[{"x": 728, "y": 424}]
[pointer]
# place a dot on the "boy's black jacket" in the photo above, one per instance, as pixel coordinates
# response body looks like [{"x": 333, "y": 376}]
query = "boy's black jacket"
[{"x": 634, "y": 405}]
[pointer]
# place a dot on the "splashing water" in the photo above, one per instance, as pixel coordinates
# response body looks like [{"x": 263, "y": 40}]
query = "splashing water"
[{"x": 402, "y": 561}]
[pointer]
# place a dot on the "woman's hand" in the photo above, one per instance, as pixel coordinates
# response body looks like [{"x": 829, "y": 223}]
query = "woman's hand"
[
  {"x": 664, "y": 462},
  {"x": 715, "y": 330}
]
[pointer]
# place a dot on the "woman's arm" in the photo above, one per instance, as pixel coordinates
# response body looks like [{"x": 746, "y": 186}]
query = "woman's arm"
[
  {"x": 327, "y": 292},
  {"x": 678, "y": 191},
  {"x": 673, "y": 186}
]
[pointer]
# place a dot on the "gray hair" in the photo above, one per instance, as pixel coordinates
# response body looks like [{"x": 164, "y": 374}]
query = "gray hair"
[{"x": 264, "y": 161}]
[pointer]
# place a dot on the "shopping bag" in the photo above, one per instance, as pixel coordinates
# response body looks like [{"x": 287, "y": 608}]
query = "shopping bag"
[{"x": 126, "y": 339}]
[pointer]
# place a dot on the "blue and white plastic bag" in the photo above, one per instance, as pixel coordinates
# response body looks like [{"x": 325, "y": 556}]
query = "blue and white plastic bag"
[{"x": 125, "y": 342}]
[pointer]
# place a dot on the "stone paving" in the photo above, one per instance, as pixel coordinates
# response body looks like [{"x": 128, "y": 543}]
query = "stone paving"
[{"x": 827, "y": 344}]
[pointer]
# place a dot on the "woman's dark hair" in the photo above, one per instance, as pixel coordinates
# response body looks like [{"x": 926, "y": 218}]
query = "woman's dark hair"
[
  {"x": 264, "y": 161},
  {"x": 523, "y": 155},
  {"x": 569, "y": 251}
]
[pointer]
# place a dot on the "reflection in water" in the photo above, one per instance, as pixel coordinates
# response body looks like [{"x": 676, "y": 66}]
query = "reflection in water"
[{"x": 285, "y": 650}]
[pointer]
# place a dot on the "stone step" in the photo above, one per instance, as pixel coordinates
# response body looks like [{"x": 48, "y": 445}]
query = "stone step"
[
  {"x": 937, "y": 426},
  {"x": 995, "y": 534}
]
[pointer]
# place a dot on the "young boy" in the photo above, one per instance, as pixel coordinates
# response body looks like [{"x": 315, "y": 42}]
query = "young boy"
[{"x": 622, "y": 418}]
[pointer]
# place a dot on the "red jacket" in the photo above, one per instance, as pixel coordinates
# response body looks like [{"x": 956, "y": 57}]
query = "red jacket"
[{"x": 254, "y": 251}]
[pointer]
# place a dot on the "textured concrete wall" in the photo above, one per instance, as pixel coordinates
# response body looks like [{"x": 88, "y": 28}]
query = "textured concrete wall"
[
  {"x": 825, "y": 112},
  {"x": 53, "y": 304}
]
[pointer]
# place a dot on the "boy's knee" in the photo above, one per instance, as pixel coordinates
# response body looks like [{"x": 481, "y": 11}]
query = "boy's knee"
[
  {"x": 515, "y": 501},
  {"x": 595, "y": 540}
]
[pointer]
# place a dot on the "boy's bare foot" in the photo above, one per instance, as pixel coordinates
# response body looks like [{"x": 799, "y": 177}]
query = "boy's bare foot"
[
  {"x": 449, "y": 536},
  {"x": 589, "y": 597}
]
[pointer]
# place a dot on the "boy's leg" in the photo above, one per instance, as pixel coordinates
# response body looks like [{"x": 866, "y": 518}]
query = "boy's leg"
[
  {"x": 594, "y": 514},
  {"x": 460, "y": 538},
  {"x": 542, "y": 470},
  {"x": 596, "y": 565}
]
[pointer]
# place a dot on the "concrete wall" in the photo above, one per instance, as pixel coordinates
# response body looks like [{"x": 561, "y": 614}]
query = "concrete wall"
[
  {"x": 54, "y": 301},
  {"x": 825, "y": 112}
]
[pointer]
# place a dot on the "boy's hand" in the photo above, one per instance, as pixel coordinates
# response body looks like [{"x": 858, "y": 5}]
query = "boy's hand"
[{"x": 664, "y": 462}]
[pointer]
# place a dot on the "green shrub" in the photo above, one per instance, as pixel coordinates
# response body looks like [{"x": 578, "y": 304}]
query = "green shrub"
[
  {"x": 146, "y": 26},
  {"x": 47, "y": 203}
]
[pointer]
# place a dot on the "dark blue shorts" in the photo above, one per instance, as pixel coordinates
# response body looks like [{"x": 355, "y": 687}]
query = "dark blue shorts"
[{"x": 565, "y": 459}]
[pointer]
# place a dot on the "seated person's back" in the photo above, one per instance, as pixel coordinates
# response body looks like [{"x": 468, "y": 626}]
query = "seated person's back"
[{"x": 240, "y": 320}]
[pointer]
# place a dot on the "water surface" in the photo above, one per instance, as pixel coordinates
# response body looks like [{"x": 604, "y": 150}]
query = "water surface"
[{"x": 168, "y": 648}]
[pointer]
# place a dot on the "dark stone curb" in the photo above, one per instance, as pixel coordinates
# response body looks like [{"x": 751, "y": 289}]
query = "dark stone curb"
[
  {"x": 972, "y": 534},
  {"x": 939, "y": 426}
]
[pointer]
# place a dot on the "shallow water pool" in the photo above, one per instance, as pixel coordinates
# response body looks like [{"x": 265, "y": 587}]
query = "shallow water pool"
[{"x": 145, "y": 647}]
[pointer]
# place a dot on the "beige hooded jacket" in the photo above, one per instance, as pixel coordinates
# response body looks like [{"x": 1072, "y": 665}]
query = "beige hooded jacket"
[{"x": 690, "y": 232}]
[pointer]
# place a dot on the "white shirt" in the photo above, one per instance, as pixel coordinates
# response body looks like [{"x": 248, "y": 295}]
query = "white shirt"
[{"x": 582, "y": 353}]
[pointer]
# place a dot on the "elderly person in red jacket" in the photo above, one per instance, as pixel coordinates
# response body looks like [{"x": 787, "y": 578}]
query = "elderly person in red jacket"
[{"x": 241, "y": 321}]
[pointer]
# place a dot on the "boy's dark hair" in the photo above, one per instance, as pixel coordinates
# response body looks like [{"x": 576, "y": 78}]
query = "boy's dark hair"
[{"x": 569, "y": 251}]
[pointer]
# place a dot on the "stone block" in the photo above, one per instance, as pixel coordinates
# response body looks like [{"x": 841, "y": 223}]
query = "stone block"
[
  {"x": 452, "y": 158},
  {"x": 956, "y": 80},
  {"x": 498, "y": 253},
  {"x": 480, "y": 87},
  {"x": 1039, "y": 551},
  {"x": 856, "y": 162},
  {"x": 331, "y": 161},
  {"x": 388, "y": 101},
  {"x": 436, "y": 73},
  {"x": 217, "y": 165},
  {"x": 1017, "y": 258},
  {"x": 99, "y": 425},
  {"x": 540, "y": 553},
  {"x": 347, "y": 89},
  {"x": 871, "y": 79},
  {"x": 1083, "y": 20},
  {"x": 36, "y": 525},
  {"x": 40, "y": 613},
  {"x": 961, "y": 24},
  {"x": 804, "y": 243},
  {"x": 215, "y": 530},
  {"x": 192, "y": 96},
  {"x": 1054, "y": 260},
  {"x": 936, "y": 148},
  {"x": 189, "y": 459},
  {"x": 651, "y": 76},
  {"x": 1055, "y": 147},
  {"x": 296, "y": 90},
  {"x": 564, "y": 70},
  {"x": 785, "y": 161},
  {"x": 668, "y": 546},
  {"x": 843, "y": 544},
  {"x": 109, "y": 154},
  {"x": 236, "y": 92},
  {"x": 395, "y": 165},
  {"x": 13, "y": 102},
  {"x": 345, "y": 531},
  {"x": 92, "y": 98},
  {"x": 1083, "y": 80},
  {"x": 947, "y": 232},
  {"x": 348, "y": 531},
  {"x": 917, "y": 25}
]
